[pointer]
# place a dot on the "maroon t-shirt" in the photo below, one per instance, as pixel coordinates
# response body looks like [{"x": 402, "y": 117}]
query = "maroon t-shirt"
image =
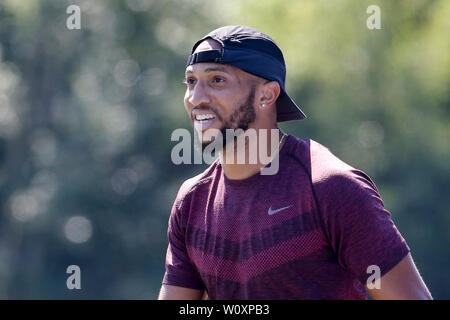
[{"x": 308, "y": 232}]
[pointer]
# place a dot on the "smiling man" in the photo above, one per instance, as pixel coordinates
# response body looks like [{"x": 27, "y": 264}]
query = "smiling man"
[{"x": 313, "y": 230}]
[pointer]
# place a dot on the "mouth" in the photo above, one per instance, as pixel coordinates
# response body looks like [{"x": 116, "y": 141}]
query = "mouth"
[{"x": 204, "y": 121}]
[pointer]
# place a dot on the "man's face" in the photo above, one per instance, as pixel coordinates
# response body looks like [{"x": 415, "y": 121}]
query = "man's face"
[{"x": 218, "y": 96}]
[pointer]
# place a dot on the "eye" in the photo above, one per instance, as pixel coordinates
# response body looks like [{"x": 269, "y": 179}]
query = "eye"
[
  {"x": 189, "y": 81},
  {"x": 219, "y": 79}
]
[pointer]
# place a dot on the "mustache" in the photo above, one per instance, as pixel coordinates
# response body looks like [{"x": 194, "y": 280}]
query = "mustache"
[{"x": 206, "y": 108}]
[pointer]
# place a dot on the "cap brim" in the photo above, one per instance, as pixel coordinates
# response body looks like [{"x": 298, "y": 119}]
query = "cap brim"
[{"x": 287, "y": 110}]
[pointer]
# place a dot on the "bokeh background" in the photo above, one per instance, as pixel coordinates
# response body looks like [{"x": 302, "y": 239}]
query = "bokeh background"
[{"x": 86, "y": 117}]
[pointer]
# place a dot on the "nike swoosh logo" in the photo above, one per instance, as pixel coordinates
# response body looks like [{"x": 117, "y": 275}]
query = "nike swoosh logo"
[{"x": 271, "y": 212}]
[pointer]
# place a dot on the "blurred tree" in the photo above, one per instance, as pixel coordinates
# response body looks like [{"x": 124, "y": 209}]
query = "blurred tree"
[{"x": 86, "y": 117}]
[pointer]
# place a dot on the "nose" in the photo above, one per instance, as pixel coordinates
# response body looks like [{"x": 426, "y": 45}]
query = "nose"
[{"x": 199, "y": 95}]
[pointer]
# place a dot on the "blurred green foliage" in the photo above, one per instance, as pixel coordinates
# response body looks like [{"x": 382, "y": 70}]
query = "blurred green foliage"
[{"x": 86, "y": 117}]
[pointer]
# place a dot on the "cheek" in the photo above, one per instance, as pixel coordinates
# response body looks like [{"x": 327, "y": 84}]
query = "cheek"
[
  {"x": 227, "y": 100},
  {"x": 187, "y": 105}
]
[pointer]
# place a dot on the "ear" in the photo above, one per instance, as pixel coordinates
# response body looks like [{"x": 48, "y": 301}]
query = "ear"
[{"x": 269, "y": 93}]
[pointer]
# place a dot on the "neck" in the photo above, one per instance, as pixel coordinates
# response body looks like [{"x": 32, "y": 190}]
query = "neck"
[{"x": 251, "y": 151}]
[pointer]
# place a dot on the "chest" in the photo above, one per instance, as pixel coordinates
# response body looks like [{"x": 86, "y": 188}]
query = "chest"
[{"x": 238, "y": 235}]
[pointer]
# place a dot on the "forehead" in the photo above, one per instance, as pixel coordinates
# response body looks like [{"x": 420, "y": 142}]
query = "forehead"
[{"x": 206, "y": 67}]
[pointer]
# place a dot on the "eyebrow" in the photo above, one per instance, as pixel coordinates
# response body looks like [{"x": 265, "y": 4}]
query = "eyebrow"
[{"x": 212, "y": 69}]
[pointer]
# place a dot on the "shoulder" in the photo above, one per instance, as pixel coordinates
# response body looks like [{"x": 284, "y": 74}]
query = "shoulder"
[
  {"x": 338, "y": 185},
  {"x": 330, "y": 171},
  {"x": 325, "y": 165},
  {"x": 332, "y": 179},
  {"x": 193, "y": 183},
  {"x": 317, "y": 160}
]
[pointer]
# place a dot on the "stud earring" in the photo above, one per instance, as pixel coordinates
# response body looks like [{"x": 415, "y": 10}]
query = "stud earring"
[{"x": 263, "y": 105}]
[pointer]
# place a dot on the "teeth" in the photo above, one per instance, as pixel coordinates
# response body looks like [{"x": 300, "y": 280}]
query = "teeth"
[{"x": 204, "y": 116}]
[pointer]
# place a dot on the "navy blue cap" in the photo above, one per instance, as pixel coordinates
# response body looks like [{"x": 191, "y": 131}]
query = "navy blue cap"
[{"x": 254, "y": 52}]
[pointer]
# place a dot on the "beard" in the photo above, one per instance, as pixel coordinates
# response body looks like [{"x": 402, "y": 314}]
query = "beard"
[{"x": 244, "y": 114}]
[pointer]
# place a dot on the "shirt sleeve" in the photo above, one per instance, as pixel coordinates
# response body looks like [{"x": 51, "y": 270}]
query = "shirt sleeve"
[
  {"x": 357, "y": 225},
  {"x": 180, "y": 271}
]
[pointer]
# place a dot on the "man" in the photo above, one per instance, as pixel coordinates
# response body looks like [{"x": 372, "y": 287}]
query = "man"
[{"x": 316, "y": 229}]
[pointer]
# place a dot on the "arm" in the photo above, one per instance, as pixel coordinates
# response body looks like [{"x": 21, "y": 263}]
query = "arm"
[
  {"x": 362, "y": 234},
  {"x": 181, "y": 280},
  {"x": 403, "y": 282},
  {"x": 168, "y": 292}
]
